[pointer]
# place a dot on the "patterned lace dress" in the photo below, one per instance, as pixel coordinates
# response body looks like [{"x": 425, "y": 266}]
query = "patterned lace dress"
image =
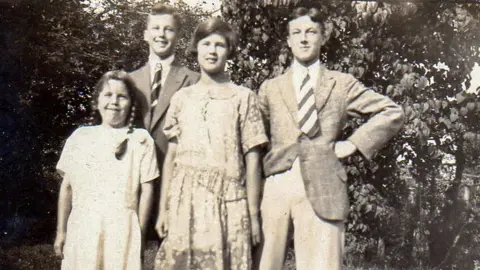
[{"x": 208, "y": 220}]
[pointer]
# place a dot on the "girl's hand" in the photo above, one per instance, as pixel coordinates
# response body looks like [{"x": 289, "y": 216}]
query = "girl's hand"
[
  {"x": 256, "y": 231},
  {"x": 162, "y": 226},
  {"x": 58, "y": 245}
]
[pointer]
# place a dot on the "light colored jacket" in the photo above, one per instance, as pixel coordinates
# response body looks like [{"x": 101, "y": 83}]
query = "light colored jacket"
[{"x": 338, "y": 96}]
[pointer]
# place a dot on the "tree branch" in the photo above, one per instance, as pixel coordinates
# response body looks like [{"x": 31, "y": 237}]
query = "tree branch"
[{"x": 455, "y": 241}]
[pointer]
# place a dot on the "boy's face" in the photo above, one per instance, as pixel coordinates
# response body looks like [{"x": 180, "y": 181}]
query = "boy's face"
[
  {"x": 305, "y": 39},
  {"x": 161, "y": 34}
]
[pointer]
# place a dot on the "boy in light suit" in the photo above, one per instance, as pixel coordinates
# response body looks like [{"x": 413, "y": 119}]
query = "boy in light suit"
[{"x": 305, "y": 110}]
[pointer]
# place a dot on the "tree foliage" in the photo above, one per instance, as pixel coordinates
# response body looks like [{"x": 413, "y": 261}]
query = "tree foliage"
[
  {"x": 405, "y": 204},
  {"x": 54, "y": 52}
]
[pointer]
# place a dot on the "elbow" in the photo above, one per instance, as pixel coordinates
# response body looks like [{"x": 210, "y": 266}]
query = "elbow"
[
  {"x": 65, "y": 188},
  {"x": 396, "y": 117},
  {"x": 399, "y": 118}
]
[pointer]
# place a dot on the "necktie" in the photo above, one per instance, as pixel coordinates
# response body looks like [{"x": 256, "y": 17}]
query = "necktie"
[
  {"x": 307, "y": 113},
  {"x": 156, "y": 84}
]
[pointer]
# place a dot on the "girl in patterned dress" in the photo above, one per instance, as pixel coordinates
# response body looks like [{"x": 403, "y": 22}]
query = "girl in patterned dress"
[
  {"x": 211, "y": 175},
  {"x": 107, "y": 186}
]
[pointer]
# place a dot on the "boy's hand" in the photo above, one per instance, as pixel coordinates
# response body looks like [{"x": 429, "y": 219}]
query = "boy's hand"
[{"x": 344, "y": 149}]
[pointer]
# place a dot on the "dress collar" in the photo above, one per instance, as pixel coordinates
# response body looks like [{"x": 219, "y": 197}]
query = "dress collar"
[{"x": 216, "y": 91}]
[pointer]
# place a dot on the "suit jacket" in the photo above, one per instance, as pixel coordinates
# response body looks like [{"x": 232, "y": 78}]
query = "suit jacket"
[
  {"x": 338, "y": 96},
  {"x": 177, "y": 78}
]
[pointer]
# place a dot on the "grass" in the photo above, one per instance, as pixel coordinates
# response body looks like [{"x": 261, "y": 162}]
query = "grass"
[
  {"x": 41, "y": 256},
  {"x": 28, "y": 257}
]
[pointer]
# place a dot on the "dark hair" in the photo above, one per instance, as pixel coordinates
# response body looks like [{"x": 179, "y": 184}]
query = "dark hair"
[
  {"x": 214, "y": 26},
  {"x": 135, "y": 118},
  {"x": 315, "y": 14},
  {"x": 162, "y": 9}
]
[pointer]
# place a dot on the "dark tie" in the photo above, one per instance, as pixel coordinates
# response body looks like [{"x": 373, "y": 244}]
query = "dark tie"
[
  {"x": 156, "y": 85},
  {"x": 307, "y": 113}
]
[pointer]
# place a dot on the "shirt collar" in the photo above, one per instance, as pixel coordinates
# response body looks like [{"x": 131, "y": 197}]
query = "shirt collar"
[
  {"x": 312, "y": 69},
  {"x": 166, "y": 63}
]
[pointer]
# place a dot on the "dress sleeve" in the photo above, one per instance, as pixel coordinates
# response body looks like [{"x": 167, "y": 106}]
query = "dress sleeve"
[
  {"x": 67, "y": 160},
  {"x": 171, "y": 127},
  {"x": 251, "y": 123},
  {"x": 149, "y": 165}
]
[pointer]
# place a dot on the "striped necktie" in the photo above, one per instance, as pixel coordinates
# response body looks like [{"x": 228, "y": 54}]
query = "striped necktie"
[
  {"x": 156, "y": 85},
  {"x": 307, "y": 113}
]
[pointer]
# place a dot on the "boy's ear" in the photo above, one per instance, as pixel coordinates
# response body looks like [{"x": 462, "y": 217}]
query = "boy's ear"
[
  {"x": 327, "y": 31},
  {"x": 145, "y": 35},
  {"x": 288, "y": 41}
]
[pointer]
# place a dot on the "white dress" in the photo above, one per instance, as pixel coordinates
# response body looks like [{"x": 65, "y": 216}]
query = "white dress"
[{"x": 103, "y": 231}]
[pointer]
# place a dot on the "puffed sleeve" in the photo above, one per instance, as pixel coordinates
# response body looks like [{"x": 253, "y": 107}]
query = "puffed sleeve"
[
  {"x": 149, "y": 166},
  {"x": 171, "y": 127},
  {"x": 66, "y": 163},
  {"x": 251, "y": 123}
]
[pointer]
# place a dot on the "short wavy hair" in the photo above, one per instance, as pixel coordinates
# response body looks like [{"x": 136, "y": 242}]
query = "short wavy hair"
[
  {"x": 162, "y": 9},
  {"x": 315, "y": 14},
  {"x": 214, "y": 26}
]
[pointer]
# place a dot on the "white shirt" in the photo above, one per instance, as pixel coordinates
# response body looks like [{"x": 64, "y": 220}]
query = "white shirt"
[
  {"x": 166, "y": 65},
  {"x": 299, "y": 73}
]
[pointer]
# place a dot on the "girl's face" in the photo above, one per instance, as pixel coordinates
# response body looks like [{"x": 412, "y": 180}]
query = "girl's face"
[
  {"x": 212, "y": 53},
  {"x": 114, "y": 104}
]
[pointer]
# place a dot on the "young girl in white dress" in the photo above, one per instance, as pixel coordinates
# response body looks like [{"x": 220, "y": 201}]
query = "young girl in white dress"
[{"x": 106, "y": 192}]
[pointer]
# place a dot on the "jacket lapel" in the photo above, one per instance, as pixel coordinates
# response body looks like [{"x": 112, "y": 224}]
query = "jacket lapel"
[
  {"x": 175, "y": 78},
  {"x": 287, "y": 92},
  {"x": 141, "y": 78},
  {"x": 322, "y": 90},
  {"x": 324, "y": 86}
]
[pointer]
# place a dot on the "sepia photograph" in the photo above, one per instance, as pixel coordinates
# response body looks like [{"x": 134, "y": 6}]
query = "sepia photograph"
[{"x": 240, "y": 135}]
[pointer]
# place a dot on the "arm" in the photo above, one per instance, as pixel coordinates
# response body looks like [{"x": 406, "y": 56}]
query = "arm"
[
  {"x": 252, "y": 160},
  {"x": 64, "y": 208},
  {"x": 385, "y": 117},
  {"x": 145, "y": 205},
  {"x": 167, "y": 172}
]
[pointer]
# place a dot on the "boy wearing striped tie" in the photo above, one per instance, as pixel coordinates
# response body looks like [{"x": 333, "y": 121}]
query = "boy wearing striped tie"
[
  {"x": 305, "y": 110},
  {"x": 161, "y": 76}
]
